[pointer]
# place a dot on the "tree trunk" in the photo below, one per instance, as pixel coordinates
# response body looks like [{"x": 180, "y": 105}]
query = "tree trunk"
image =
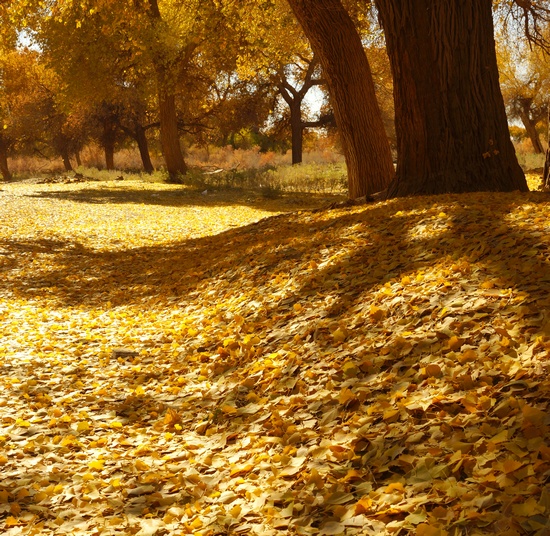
[
  {"x": 169, "y": 136},
  {"x": 546, "y": 171},
  {"x": 336, "y": 42},
  {"x": 4, "y": 169},
  {"x": 143, "y": 146},
  {"x": 66, "y": 160},
  {"x": 77, "y": 158},
  {"x": 108, "y": 139},
  {"x": 452, "y": 132},
  {"x": 531, "y": 130},
  {"x": 297, "y": 132}
]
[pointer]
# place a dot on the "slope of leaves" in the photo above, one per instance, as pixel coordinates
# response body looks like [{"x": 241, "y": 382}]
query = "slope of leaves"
[{"x": 171, "y": 367}]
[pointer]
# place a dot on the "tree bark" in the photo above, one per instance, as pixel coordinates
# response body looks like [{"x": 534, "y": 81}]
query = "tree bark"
[
  {"x": 143, "y": 146},
  {"x": 66, "y": 160},
  {"x": 336, "y": 42},
  {"x": 4, "y": 168},
  {"x": 108, "y": 140},
  {"x": 169, "y": 136},
  {"x": 531, "y": 130},
  {"x": 297, "y": 133},
  {"x": 452, "y": 131},
  {"x": 546, "y": 172}
]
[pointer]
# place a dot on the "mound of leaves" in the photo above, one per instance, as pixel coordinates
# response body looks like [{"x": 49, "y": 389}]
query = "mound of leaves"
[{"x": 193, "y": 369}]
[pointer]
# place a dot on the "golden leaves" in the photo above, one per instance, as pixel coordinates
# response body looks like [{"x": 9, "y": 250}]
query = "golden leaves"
[{"x": 276, "y": 377}]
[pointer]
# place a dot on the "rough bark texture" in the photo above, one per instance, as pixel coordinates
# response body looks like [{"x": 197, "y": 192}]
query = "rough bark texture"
[
  {"x": 452, "y": 132},
  {"x": 346, "y": 69},
  {"x": 4, "y": 169}
]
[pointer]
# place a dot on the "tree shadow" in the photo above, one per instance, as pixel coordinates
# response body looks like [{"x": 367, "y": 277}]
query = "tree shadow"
[{"x": 185, "y": 197}]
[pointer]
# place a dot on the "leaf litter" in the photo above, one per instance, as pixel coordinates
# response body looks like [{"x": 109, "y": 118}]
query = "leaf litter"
[{"x": 176, "y": 364}]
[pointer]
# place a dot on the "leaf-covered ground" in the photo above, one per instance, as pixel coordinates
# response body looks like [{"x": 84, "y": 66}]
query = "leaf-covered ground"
[{"x": 171, "y": 363}]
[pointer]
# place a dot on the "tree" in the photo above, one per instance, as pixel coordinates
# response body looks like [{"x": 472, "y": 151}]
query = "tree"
[
  {"x": 294, "y": 95},
  {"x": 452, "y": 132},
  {"x": 525, "y": 83},
  {"x": 336, "y": 42}
]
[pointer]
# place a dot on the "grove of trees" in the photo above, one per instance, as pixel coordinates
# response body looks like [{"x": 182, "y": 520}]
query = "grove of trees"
[{"x": 204, "y": 71}]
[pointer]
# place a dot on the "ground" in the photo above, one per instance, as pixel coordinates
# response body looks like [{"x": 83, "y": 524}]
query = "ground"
[{"x": 180, "y": 363}]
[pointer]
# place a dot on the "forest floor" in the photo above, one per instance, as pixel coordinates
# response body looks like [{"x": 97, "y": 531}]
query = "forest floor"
[{"x": 177, "y": 363}]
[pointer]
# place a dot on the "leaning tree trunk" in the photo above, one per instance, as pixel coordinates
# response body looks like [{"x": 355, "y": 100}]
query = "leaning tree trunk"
[
  {"x": 452, "y": 132},
  {"x": 143, "y": 146},
  {"x": 4, "y": 169},
  {"x": 531, "y": 130},
  {"x": 336, "y": 42}
]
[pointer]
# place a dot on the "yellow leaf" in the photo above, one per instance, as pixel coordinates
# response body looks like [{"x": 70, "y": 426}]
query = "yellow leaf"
[
  {"x": 116, "y": 424},
  {"x": 40, "y": 496},
  {"x": 235, "y": 511},
  {"x": 139, "y": 391},
  {"x": 376, "y": 314},
  {"x": 339, "y": 335},
  {"x": 15, "y": 508},
  {"x": 509, "y": 465},
  {"x": 96, "y": 464},
  {"x": 83, "y": 426},
  {"x": 455, "y": 343},
  {"x": 4, "y": 496},
  {"x": 391, "y": 415},
  {"x": 427, "y": 530},
  {"x": 22, "y": 423},
  {"x": 434, "y": 371},
  {"x": 141, "y": 466},
  {"x": 533, "y": 415},
  {"x": 3, "y": 459},
  {"x": 363, "y": 506},
  {"x": 346, "y": 396},
  {"x": 527, "y": 509},
  {"x": 395, "y": 486},
  {"x": 11, "y": 521},
  {"x": 22, "y": 494},
  {"x": 226, "y": 408},
  {"x": 196, "y": 523}
]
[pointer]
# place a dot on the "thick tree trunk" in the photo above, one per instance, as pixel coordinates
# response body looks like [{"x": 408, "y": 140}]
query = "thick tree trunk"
[
  {"x": 531, "y": 130},
  {"x": 4, "y": 169},
  {"x": 77, "y": 158},
  {"x": 297, "y": 132},
  {"x": 169, "y": 136},
  {"x": 452, "y": 132},
  {"x": 143, "y": 146},
  {"x": 346, "y": 69}
]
